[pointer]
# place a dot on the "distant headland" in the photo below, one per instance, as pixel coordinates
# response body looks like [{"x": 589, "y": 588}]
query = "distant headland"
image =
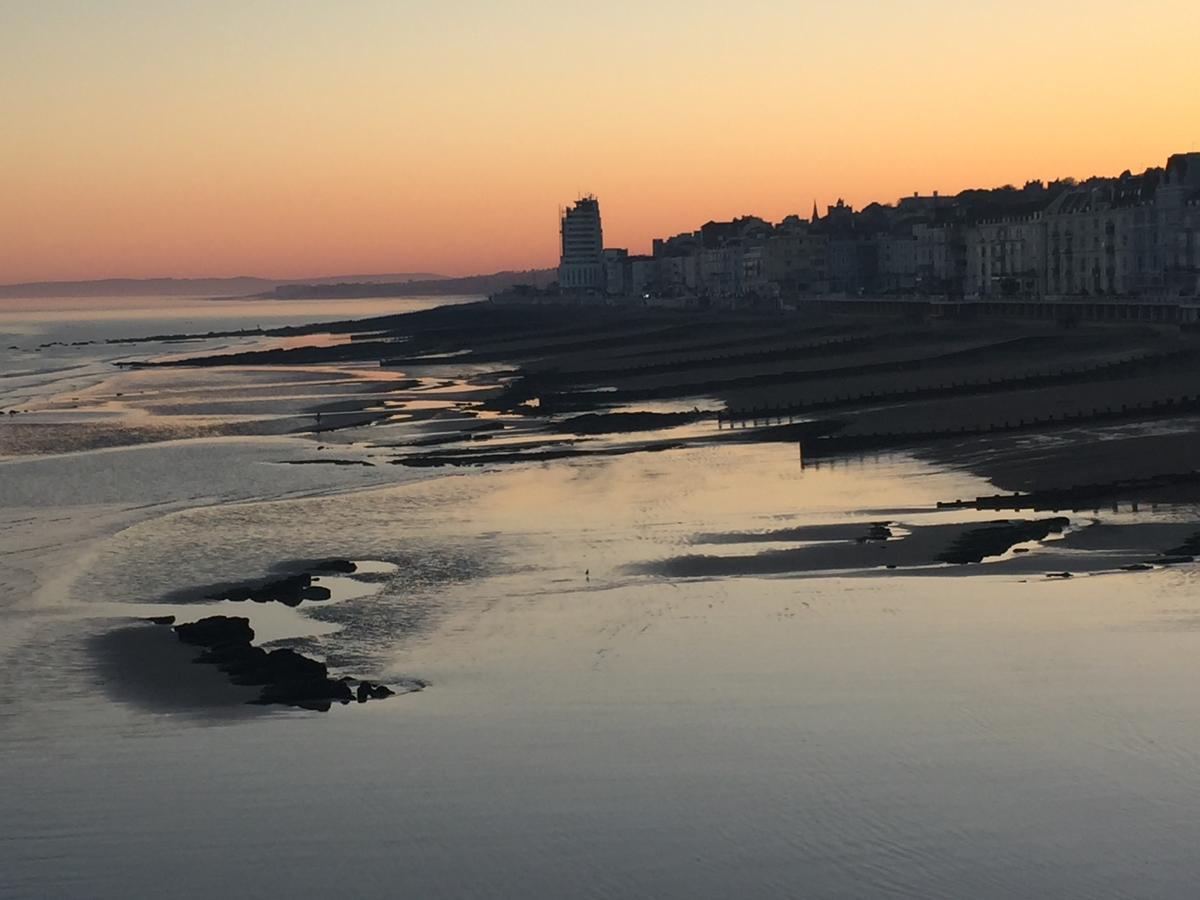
[{"x": 236, "y": 286}]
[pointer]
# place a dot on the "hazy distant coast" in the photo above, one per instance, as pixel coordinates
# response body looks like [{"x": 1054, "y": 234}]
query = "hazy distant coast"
[
  {"x": 359, "y": 288},
  {"x": 241, "y": 285}
]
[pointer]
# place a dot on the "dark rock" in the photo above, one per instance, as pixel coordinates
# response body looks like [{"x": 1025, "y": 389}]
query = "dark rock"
[
  {"x": 243, "y": 663},
  {"x": 1137, "y": 567},
  {"x": 879, "y": 531},
  {"x": 368, "y": 691},
  {"x": 1059, "y": 575},
  {"x": 288, "y": 665},
  {"x": 299, "y": 686},
  {"x": 233, "y": 657},
  {"x": 286, "y": 676},
  {"x": 161, "y": 620},
  {"x": 215, "y": 630},
  {"x": 340, "y": 566},
  {"x": 290, "y": 591}
]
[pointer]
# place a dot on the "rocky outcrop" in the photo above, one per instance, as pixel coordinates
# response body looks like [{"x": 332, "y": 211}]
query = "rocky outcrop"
[
  {"x": 286, "y": 677},
  {"x": 290, "y": 591},
  {"x": 216, "y": 631},
  {"x": 368, "y": 691}
]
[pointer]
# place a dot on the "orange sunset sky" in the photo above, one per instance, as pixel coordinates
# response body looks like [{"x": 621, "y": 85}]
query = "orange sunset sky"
[{"x": 286, "y": 139}]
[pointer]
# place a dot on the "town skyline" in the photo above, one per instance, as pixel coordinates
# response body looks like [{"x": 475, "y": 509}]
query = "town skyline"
[
  {"x": 294, "y": 139},
  {"x": 550, "y": 259},
  {"x": 1132, "y": 237}
]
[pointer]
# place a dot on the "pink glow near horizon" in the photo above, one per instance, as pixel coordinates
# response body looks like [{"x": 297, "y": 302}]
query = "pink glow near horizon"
[{"x": 290, "y": 140}]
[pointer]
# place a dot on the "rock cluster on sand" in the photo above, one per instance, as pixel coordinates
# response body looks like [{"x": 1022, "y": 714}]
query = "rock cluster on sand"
[
  {"x": 286, "y": 676},
  {"x": 291, "y": 590},
  {"x": 879, "y": 531}
]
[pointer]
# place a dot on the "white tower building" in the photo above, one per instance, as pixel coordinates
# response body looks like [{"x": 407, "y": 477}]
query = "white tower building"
[{"x": 581, "y": 268}]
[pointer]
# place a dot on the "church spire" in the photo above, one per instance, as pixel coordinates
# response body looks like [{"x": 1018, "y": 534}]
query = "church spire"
[{"x": 815, "y": 217}]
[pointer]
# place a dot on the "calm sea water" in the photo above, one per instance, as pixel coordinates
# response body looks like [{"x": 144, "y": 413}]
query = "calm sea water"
[
  {"x": 52, "y": 345},
  {"x": 587, "y": 732}
]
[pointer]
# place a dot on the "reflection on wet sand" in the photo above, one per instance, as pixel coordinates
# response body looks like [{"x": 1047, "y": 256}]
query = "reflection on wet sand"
[
  {"x": 139, "y": 665},
  {"x": 597, "y": 715}
]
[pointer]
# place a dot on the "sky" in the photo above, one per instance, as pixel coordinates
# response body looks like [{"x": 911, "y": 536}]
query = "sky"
[{"x": 293, "y": 138}]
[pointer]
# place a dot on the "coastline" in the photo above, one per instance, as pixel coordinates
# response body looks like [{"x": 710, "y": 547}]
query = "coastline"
[{"x": 580, "y": 375}]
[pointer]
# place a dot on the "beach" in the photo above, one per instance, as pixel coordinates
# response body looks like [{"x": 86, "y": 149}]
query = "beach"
[{"x": 679, "y": 658}]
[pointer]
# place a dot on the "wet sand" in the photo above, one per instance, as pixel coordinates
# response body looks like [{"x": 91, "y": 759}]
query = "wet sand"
[
  {"x": 564, "y": 371},
  {"x": 1087, "y": 546},
  {"x": 1079, "y": 456},
  {"x": 798, "y": 716},
  {"x": 676, "y": 737}
]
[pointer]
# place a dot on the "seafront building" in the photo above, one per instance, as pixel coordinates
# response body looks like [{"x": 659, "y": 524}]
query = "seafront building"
[
  {"x": 1133, "y": 238},
  {"x": 583, "y": 265}
]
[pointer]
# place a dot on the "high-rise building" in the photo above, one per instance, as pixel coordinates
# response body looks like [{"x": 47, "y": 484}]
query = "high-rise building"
[{"x": 581, "y": 267}]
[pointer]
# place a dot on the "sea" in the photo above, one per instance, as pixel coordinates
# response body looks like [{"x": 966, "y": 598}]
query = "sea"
[{"x": 585, "y": 729}]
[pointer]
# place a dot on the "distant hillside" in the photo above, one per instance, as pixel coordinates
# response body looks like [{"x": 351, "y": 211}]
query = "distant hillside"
[
  {"x": 473, "y": 284},
  {"x": 195, "y": 287}
]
